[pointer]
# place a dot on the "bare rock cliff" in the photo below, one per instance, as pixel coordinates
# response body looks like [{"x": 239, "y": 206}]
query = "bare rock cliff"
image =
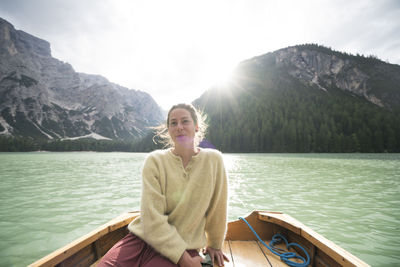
[
  {"x": 42, "y": 97},
  {"x": 318, "y": 66}
]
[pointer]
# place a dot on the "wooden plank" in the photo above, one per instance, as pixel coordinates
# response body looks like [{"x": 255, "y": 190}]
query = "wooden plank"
[
  {"x": 343, "y": 257},
  {"x": 275, "y": 259},
  {"x": 226, "y": 249},
  {"x": 340, "y": 255},
  {"x": 103, "y": 244},
  {"x": 70, "y": 249},
  {"x": 247, "y": 253},
  {"x": 95, "y": 263},
  {"x": 281, "y": 219},
  {"x": 84, "y": 257},
  {"x": 304, "y": 243},
  {"x": 238, "y": 230}
]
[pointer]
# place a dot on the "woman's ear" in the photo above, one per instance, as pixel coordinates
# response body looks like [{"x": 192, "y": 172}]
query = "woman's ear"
[{"x": 196, "y": 129}]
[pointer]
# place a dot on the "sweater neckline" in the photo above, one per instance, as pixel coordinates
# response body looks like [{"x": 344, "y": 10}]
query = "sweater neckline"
[{"x": 179, "y": 159}]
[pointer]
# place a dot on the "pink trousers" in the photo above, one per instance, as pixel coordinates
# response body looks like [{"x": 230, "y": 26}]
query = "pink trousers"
[{"x": 134, "y": 252}]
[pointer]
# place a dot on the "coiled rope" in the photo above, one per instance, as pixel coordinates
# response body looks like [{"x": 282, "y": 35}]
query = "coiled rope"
[{"x": 285, "y": 256}]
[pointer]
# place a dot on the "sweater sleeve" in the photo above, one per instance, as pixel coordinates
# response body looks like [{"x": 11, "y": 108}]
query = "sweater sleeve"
[
  {"x": 158, "y": 232},
  {"x": 217, "y": 211}
]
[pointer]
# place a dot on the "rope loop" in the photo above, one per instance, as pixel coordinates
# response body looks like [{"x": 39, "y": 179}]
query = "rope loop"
[{"x": 285, "y": 256}]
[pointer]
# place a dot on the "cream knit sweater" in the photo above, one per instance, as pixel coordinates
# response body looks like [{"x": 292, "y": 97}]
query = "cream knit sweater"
[{"x": 182, "y": 208}]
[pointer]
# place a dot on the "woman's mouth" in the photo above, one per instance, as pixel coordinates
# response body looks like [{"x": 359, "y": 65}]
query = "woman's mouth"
[{"x": 183, "y": 138}]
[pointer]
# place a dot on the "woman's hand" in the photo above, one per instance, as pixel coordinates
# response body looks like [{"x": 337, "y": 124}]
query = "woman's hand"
[
  {"x": 187, "y": 261},
  {"x": 216, "y": 255}
]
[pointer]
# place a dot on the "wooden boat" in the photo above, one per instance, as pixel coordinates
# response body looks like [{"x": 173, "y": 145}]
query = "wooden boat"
[{"x": 241, "y": 245}]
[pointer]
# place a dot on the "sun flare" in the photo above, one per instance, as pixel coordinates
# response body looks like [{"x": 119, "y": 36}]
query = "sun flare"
[{"x": 220, "y": 74}]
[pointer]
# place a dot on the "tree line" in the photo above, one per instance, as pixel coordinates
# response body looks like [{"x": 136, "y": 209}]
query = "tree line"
[
  {"x": 18, "y": 144},
  {"x": 301, "y": 120},
  {"x": 268, "y": 121}
]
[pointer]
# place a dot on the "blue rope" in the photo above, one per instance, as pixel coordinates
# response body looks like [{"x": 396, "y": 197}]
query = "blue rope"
[{"x": 285, "y": 256}]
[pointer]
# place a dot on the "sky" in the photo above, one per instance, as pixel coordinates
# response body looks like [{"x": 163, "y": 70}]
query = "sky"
[{"x": 177, "y": 49}]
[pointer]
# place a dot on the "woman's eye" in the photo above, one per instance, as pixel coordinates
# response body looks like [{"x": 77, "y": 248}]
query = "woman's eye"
[{"x": 173, "y": 123}]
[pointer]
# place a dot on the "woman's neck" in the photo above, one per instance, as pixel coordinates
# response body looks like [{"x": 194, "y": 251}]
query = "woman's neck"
[{"x": 185, "y": 153}]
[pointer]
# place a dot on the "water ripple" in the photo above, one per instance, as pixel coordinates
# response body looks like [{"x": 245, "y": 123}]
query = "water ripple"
[{"x": 50, "y": 199}]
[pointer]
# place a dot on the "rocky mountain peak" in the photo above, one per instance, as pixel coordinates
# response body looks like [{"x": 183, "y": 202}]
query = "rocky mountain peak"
[
  {"x": 42, "y": 97},
  {"x": 309, "y": 64},
  {"x": 324, "y": 68},
  {"x": 16, "y": 41}
]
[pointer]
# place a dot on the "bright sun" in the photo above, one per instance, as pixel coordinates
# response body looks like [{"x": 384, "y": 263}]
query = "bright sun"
[
  {"x": 174, "y": 55},
  {"x": 220, "y": 74}
]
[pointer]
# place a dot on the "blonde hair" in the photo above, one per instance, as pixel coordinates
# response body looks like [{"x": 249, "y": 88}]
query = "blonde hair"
[{"x": 162, "y": 136}]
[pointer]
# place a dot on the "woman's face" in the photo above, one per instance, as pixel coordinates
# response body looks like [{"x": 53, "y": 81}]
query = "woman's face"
[{"x": 181, "y": 127}]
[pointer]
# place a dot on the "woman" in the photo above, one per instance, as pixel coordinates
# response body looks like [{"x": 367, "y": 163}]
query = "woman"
[{"x": 184, "y": 201}]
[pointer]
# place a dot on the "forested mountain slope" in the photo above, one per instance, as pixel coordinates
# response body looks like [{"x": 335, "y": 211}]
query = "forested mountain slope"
[{"x": 306, "y": 99}]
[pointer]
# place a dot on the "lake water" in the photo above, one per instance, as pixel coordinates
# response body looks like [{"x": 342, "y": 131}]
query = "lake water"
[{"x": 50, "y": 199}]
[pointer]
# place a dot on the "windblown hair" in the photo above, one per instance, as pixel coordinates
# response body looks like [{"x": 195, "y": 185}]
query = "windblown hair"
[{"x": 162, "y": 136}]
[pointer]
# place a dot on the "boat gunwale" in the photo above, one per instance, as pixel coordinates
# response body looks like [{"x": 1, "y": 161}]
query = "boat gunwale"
[
  {"x": 285, "y": 221},
  {"x": 73, "y": 247},
  {"x": 339, "y": 254}
]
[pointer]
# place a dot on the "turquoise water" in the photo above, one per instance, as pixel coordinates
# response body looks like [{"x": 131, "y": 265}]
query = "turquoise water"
[{"x": 50, "y": 199}]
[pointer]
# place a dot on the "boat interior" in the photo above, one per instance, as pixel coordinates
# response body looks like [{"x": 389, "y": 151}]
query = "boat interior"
[{"x": 241, "y": 245}]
